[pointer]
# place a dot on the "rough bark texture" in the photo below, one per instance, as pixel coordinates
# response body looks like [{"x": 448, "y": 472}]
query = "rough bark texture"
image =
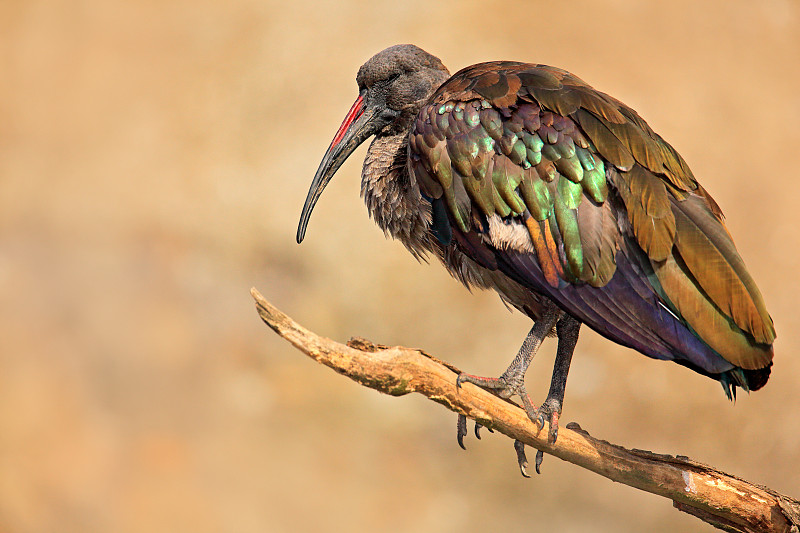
[{"x": 723, "y": 500}]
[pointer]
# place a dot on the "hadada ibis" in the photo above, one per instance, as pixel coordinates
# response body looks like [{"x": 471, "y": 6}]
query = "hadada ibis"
[{"x": 524, "y": 179}]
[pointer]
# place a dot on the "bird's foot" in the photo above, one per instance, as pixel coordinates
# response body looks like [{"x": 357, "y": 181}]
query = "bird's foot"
[
  {"x": 549, "y": 411},
  {"x": 506, "y": 386},
  {"x": 509, "y": 384}
]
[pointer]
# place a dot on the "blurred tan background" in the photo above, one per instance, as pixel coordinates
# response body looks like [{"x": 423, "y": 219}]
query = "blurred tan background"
[{"x": 154, "y": 158}]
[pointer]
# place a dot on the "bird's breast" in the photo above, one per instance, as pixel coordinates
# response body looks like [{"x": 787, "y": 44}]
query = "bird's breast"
[{"x": 392, "y": 196}]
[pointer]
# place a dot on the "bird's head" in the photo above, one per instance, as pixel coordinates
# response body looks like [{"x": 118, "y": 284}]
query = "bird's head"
[{"x": 392, "y": 87}]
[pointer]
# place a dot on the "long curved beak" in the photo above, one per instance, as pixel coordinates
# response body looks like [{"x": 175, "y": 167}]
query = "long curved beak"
[{"x": 355, "y": 129}]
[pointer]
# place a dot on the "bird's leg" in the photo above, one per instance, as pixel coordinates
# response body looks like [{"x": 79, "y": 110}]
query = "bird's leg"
[
  {"x": 512, "y": 381},
  {"x": 567, "y": 329}
]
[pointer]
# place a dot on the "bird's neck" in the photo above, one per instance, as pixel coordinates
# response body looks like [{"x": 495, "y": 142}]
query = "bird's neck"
[{"x": 392, "y": 194}]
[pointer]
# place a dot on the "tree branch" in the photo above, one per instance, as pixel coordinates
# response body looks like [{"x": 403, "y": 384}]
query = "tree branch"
[{"x": 723, "y": 500}]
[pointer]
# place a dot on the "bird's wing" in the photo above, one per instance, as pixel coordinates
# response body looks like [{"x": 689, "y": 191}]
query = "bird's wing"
[{"x": 531, "y": 168}]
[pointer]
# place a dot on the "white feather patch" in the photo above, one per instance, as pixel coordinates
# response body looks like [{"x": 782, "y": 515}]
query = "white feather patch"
[{"x": 512, "y": 236}]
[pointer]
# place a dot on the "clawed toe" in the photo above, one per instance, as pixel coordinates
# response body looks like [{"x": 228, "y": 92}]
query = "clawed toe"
[
  {"x": 505, "y": 386},
  {"x": 538, "y": 461},
  {"x": 522, "y": 460},
  {"x": 478, "y": 432},
  {"x": 539, "y": 420},
  {"x": 498, "y": 385},
  {"x": 553, "y": 435},
  {"x": 461, "y": 430}
]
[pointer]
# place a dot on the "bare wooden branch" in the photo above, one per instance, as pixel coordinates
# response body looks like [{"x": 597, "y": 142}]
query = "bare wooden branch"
[{"x": 723, "y": 500}]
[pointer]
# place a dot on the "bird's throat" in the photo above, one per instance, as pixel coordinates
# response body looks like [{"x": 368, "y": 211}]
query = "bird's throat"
[{"x": 392, "y": 195}]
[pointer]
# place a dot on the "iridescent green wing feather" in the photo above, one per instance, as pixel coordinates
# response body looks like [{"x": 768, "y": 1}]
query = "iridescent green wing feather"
[{"x": 518, "y": 161}]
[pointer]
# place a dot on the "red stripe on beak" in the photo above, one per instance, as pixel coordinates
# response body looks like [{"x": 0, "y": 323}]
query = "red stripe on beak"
[{"x": 355, "y": 111}]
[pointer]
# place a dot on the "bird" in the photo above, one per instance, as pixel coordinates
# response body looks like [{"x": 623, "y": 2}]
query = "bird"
[{"x": 524, "y": 179}]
